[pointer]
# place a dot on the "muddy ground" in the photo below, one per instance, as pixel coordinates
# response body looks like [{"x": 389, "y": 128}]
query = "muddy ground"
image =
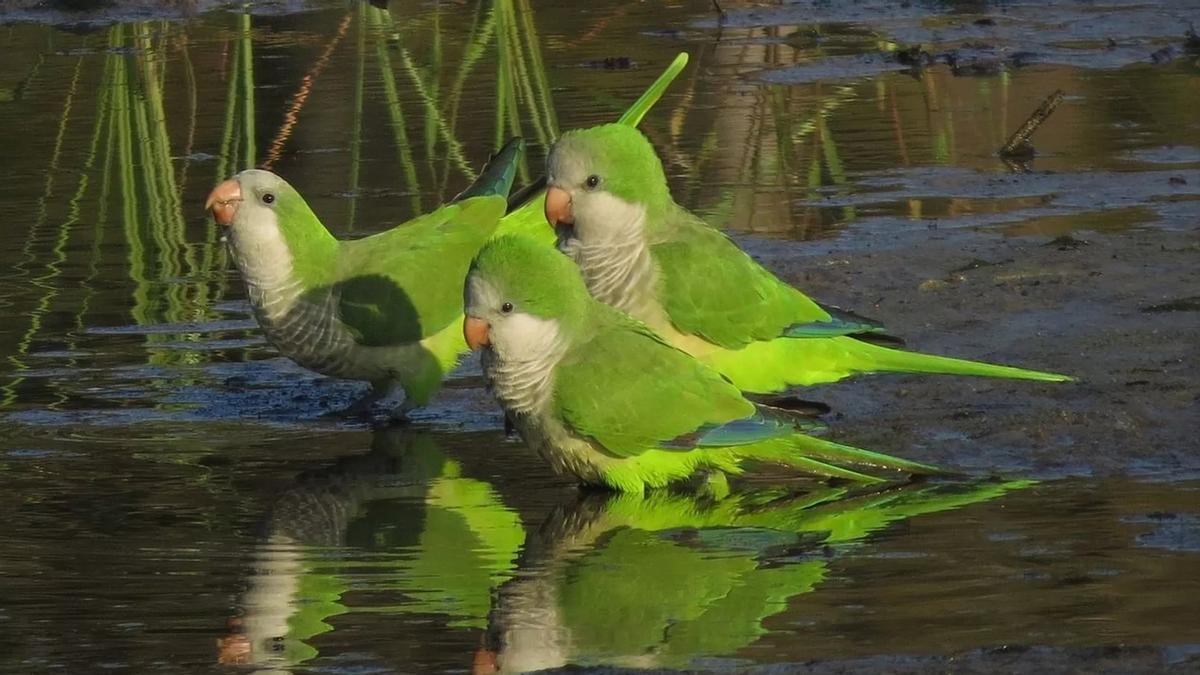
[{"x": 1121, "y": 312}]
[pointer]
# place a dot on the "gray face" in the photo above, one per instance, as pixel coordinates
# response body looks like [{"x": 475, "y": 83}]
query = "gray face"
[
  {"x": 566, "y": 169},
  {"x": 515, "y": 335},
  {"x": 600, "y": 216},
  {"x": 260, "y": 193},
  {"x": 255, "y": 238}
]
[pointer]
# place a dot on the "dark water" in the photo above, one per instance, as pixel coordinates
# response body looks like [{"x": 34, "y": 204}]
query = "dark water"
[{"x": 173, "y": 496}]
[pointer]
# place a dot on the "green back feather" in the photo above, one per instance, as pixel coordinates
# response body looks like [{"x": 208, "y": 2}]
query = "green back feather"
[
  {"x": 631, "y": 392},
  {"x": 713, "y": 289},
  {"x": 709, "y": 286},
  {"x": 405, "y": 284}
]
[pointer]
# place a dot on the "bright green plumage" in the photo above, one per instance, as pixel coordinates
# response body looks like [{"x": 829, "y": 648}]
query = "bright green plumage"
[
  {"x": 671, "y": 581},
  {"x": 640, "y": 373},
  {"x": 602, "y": 397},
  {"x": 385, "y": 308},
  {"x": 641, "y": 252},
  {"x": 389, "y": 293}
]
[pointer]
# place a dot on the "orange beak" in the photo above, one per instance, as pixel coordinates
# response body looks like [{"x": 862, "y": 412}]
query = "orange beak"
[
  {"x": 485, "y": 662},
  {"x": 475, "y": 331},
  {"x": 558, "y": 207},
  {"x": 223, "y": 201}
]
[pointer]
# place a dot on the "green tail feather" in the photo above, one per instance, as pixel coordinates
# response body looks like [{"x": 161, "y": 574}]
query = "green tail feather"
[
  {"x": 777, "y": 365},
  {"x": 646, "y": 101},
  {"x": 830, "y": 471},
  {"x": 497, "y": 175},
  {"x": 840, "y": 322},
  {"x": 826, "y": 458},
  {"x": 884, "y": 359},
  {"x": 844, "y": 454}
]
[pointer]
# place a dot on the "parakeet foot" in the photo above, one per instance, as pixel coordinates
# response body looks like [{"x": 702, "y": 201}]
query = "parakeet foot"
[
  {"x": 361, "y": 408},
  {"x": 364, "y": 407},
  {"x": 398, "y": 417}
]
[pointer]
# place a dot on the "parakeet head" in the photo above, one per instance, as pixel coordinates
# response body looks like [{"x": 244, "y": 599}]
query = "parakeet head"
[
  {"x": 521, "y": 297},
  {"x": 603, "y": 178},
  {"x": 260, "y": 212}
]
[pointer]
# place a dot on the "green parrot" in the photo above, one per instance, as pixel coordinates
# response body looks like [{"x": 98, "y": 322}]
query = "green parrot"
[
  {"x": 599, "y": 395},
  {"x": 384, "y": 308},
  {"x": 663, "y": 580},
  {"x": 642, "y": 253}
]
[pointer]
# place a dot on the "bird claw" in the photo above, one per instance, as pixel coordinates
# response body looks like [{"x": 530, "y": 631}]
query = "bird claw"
[{"x": 398, "y": 417}]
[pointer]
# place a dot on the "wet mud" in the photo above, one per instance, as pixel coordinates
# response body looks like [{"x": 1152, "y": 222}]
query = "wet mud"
[{"x": 1091, "y": 306}]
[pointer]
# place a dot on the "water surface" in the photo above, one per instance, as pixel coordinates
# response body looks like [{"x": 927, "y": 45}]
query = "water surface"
[{"x": 177, "y": 499}]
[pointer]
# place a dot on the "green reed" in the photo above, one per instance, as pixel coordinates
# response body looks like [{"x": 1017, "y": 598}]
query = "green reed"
[{"x": 131, "y": 179}]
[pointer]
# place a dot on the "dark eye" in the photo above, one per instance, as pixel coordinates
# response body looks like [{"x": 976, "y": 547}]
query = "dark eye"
[
  {"x": 506, "y": 307},
  {"x": 592, "y": 181},
  {"x": 268, "y": 198}
]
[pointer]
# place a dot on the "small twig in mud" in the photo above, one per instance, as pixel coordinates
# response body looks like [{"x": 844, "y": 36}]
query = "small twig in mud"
[
  {"x": 1018, "y": 144},
  {"x": 1192, "y": 43}
]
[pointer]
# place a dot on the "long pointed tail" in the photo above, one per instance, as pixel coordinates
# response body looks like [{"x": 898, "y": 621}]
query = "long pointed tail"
[
  {"x": 497, "y": 175},
  {"x": 834, "y": 460},
  {"x": 877, "y": 358},
  {"x": 776, "y": 365}
]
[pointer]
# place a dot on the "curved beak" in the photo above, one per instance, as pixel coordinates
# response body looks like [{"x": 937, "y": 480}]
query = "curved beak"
[
  {"x": 475, "y": 331},
  {"x": 223, "y": 201},
  {"x": 558, "y": 207},
  {"x": 485, "y": 662}
]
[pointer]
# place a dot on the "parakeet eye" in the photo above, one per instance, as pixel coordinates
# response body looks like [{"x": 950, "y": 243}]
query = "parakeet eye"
[
  {"x": 592, "y": 181},
  {"x": 506, "y": 307},
  {"x": 268, "y": 198}
]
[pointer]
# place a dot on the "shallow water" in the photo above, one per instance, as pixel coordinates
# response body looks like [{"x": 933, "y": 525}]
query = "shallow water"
[{"x": 177, "y": 499}]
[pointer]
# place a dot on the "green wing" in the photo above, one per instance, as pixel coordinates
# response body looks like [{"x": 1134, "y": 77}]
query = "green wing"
[
  {"x": 632, "y": 392},
  {"x": 711, "y": 288},
  {"x": 405, "y": 284}
]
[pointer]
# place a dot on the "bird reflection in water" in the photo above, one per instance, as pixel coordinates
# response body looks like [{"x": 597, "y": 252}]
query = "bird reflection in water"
[{"x": 662, "y": 580}]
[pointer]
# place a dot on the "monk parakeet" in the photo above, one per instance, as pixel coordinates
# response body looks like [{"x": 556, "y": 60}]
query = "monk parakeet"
[
  {"x": 600, "y": 396},
  {"x": 384, "y": 308},
  {"x": 641, "y": 252},
  {"x": 381, "y": 308}
]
